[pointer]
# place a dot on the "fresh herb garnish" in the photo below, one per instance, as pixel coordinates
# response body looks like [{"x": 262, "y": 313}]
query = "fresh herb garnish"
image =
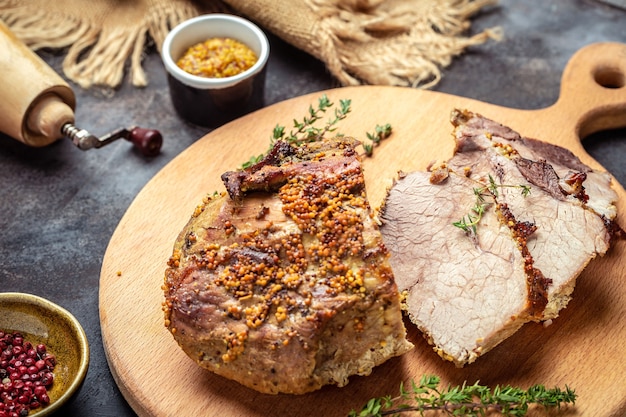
[
  {"x": 307, "y": 130},
  {"x": 469, "y": 222},
  {"x": 380, "y": 133},
  {"x": 466, "y": 400}
]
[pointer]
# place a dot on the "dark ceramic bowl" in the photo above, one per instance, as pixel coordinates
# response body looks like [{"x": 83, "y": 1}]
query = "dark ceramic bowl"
[
  {"x": 41, "y": 321},
  {"x": 212, "y": 102}
]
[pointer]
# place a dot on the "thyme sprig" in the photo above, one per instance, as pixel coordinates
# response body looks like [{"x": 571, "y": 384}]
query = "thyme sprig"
[
  {"x": 305, "y": 130},
  {"x": 380, "y": 133},
  {"x": 308, "y": 129},
  {"x": 469, "y": 222},
  {"x": 466, "y": 400}
]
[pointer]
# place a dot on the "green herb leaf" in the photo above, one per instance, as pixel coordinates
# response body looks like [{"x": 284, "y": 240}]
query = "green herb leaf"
[
  {"x": 465, "y": 400},
  {"x": 486, "y": 195},
  {"x": 306, "y": 130}
]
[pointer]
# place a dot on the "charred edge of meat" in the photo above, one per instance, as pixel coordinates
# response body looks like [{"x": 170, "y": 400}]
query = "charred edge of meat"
[
  {"x": 268, "y": 174},
  {"x": 576, "y": 180},
  {"x": 542, "y": 175},
  {"x": 615, "y": 231},
  {"x": 233, "y": 180},
  {"x": 279, "y": 152},
  {"x": 460, "y": 117},
  {"x": 556, "y": 154},
  {"x": 439, "y": 174},
  {"x": 536, "y": 283}
]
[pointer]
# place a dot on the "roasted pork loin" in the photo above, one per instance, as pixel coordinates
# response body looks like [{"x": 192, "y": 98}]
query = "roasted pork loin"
[
  {"x": 495, "y": 237},
  {"x": 284, "y": 284}
]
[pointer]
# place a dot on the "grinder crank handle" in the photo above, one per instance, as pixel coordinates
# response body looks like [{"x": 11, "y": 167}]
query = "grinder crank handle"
[{"x": 148, "y": 141}]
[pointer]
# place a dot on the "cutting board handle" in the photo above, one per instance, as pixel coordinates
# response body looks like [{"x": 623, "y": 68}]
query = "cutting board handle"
[{"x": 593, "y": 89}]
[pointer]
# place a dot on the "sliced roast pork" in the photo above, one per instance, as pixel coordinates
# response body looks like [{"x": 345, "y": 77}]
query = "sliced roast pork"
[
  {"x": 495, "y": 237},
  {"x": 284, "y": 284}
]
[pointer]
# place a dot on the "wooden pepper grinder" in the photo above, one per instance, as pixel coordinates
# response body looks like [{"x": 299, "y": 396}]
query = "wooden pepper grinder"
[{"x": 37, "y": 105}]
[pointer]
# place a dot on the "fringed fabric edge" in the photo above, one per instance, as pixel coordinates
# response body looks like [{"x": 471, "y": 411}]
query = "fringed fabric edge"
[
  {"x": 365, "y": 42},
  {"x": 361, "y": 41},
  {"x": 35, "y": 29},
  {"x": 97, "y": 55}
]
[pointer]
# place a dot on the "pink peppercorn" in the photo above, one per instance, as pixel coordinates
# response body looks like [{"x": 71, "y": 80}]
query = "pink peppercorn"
[{"x": 25, "y": 375}]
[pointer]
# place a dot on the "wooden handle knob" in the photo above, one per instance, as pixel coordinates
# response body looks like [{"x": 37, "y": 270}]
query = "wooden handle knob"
[{"x": 148, "y": 141}]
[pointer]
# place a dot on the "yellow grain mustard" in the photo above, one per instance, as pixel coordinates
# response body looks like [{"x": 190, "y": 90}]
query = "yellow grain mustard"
[{"x": 217, "y": 58}]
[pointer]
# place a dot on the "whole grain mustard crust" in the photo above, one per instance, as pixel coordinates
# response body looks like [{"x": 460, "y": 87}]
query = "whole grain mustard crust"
[
  {"x": 286, "y": 277},
  {"x": 217, "y": 58}
]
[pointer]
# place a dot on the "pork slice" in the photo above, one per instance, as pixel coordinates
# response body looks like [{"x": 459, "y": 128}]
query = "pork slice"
[
  {"x": 458, "y": 291},
  {"x": 591, "y": 187},
  {"x": 468, "y": 289},
  {"x": 284, "y": 285},
  {"x": 570, "y": 170},
  {"x": 570, "y": 218}
]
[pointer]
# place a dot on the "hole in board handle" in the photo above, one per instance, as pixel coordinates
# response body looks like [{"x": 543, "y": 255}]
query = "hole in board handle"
[{"x": 609, "y": 77}]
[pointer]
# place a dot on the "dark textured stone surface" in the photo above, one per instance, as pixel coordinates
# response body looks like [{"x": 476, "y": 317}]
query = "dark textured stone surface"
[{"x": 59, "y": 206}]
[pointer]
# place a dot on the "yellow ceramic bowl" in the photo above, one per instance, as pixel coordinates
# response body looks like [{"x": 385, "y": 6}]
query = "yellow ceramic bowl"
[{"x": 41, "y": 321}]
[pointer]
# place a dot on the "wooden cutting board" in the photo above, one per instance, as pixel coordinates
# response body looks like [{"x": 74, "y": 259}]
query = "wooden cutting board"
[{"x": 584, "y": 348}]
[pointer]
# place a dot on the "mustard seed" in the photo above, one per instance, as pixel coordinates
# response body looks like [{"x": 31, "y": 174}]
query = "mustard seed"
[{"x": 217, "y": 58}]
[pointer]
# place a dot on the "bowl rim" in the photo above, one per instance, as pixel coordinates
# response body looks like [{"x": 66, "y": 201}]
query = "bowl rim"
[
  {"x": 206, "y": 82},
  {"x": 83, "y": 366}
]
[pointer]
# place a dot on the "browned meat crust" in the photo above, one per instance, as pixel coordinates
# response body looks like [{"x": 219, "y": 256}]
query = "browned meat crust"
[{"x": 287, "y": 288}]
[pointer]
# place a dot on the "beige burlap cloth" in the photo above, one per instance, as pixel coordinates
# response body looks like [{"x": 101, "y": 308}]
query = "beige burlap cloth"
[{"x": 383, "y": 42}]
